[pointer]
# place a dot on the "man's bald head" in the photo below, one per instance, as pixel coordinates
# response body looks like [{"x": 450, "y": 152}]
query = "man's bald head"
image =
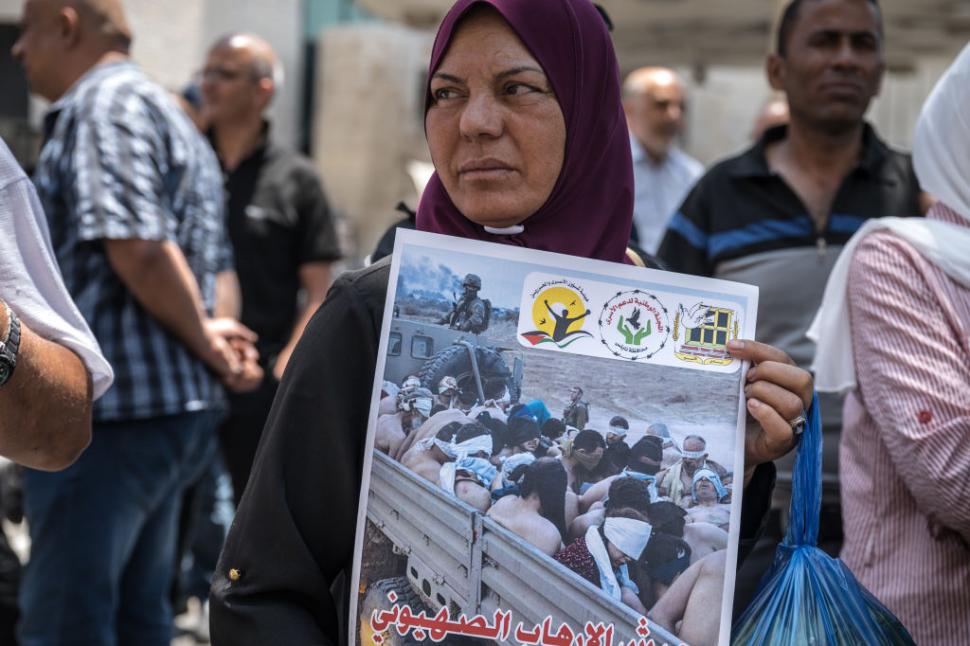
[
  {"x": 106, "y": 21},
  {"x": 653, "y": 99},
  {"x": 60, "y": 40},
  {"x": 695, "y": 452},
  {"x": 645, "y": 79},
  {"x": 101, "y": 21},
  {"x": 242, "y": 74},
  {"x": 262, "y": 60}
]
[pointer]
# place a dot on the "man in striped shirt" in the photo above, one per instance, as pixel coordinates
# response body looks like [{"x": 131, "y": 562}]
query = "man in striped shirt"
[{"x": 134, "y": 201}]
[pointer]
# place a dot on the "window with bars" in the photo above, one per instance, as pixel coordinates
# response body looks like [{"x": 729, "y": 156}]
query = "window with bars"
[{"x": 716, "y": 332}]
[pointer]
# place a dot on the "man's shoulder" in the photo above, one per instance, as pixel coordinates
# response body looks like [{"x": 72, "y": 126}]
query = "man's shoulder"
[
  {"x": 392, "y": 419},
  {"x": 545, "y": 533},
  {"x": 10, "y": 170},
  {"x": 287, "y": 162},
  {"x": 112, "y": 93},
  {"x": 705, "y": 531},
  {"x": 688, "y": 164},
  {"x": 122, "y": 97},
  {"x": 728, "y": 168},
  {"x": 369, "y": 283},
  {"x": 898, "y": 163}
]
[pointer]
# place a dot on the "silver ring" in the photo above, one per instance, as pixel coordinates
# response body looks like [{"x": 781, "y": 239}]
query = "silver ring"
[{"x": 797, "y": 424}]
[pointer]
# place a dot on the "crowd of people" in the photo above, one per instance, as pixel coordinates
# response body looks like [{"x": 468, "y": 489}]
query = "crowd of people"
[
  {"x": 185, "y": 255},
  {"x": 161, "y": 282},
  {"x": 563, "y": 487}
]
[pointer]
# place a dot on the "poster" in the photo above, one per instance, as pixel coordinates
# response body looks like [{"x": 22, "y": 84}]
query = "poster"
[{"x": 552, "y": 452}]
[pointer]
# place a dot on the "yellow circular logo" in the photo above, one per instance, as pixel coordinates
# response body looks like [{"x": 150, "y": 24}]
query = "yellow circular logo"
[{"x": 559, "y": 306}]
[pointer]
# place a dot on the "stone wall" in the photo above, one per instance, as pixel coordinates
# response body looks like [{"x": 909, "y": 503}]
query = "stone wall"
[{"x": 368, "y": 122}]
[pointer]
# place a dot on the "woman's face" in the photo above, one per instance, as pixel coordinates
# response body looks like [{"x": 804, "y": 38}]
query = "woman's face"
[{"x": 496, "y": 132}]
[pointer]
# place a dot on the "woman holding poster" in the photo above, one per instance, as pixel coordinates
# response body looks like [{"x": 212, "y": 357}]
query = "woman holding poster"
[{"x": 530, "y": 146}]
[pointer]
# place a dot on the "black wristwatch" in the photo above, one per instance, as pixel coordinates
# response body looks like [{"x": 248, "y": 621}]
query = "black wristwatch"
[{"x": 9, "y": 346}]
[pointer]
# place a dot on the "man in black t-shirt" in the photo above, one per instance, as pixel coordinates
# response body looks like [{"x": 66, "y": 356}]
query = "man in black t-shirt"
[{"x": 279, "y": 222}]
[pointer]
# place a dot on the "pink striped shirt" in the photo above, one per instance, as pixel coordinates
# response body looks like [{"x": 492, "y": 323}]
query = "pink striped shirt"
[{"x": 905, "y": 453}]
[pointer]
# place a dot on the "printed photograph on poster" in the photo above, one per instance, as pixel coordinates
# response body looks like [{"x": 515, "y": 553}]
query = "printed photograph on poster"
[{"x": 553, "y": 447}]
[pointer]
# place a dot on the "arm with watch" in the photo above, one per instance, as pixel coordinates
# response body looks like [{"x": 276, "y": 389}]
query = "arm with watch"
[{"x": 45, "y": 398}]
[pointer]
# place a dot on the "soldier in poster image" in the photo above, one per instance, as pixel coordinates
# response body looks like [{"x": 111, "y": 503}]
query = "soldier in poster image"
[
  {"x": 279, "y": 222},
  {"x": 576, "y": 413},
  {"x": 469, "y": 313}
]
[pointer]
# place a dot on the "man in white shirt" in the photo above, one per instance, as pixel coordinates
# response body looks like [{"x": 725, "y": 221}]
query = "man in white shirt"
[
  {"x": 653, "y": 99},
  {"x": 51, "y": 367}
]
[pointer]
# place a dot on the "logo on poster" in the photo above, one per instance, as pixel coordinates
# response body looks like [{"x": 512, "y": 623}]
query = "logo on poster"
[
  {"x": 634, "y": 325},
  {"x": 707, "y": 330},
  {"x": 559, "y": 311}
]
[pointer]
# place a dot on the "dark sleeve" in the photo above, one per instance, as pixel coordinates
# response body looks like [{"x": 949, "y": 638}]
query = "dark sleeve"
[
  {"x": 754, "y": 508},
  {"x": 684, "y": 247},
  {"x": 913, "y": 189},
  {"x": 385, "y": 246},
  {"x": 318, "y": 239},
  {"x": 294, "y": 531}
]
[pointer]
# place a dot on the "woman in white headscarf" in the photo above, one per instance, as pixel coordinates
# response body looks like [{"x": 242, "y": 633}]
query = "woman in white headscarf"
[{"x": 894, "y": 331}]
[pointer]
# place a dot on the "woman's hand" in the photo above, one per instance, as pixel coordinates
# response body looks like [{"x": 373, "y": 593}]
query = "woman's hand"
[{"x": 777, "y": 392}]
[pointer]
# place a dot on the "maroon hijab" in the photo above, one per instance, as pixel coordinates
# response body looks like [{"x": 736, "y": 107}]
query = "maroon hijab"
[{"x": 590, "y": 211}]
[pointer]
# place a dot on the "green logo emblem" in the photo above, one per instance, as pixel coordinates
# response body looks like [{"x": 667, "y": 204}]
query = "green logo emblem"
[{"x": 634, "y": 337}]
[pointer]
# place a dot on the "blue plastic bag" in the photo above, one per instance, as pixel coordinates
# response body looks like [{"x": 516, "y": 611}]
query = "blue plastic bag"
[{"x": 807, "y": 597}]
